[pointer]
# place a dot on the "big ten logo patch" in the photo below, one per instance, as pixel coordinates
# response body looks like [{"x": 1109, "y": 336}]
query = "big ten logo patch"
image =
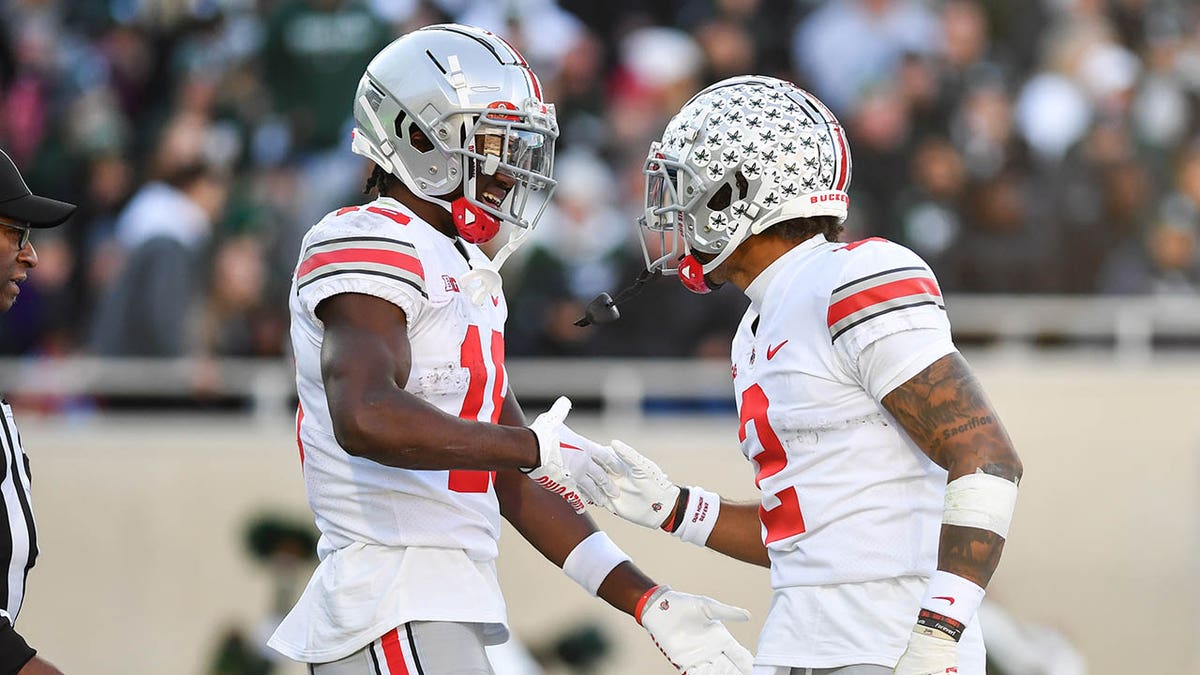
[{"x": 451, "y": 283}]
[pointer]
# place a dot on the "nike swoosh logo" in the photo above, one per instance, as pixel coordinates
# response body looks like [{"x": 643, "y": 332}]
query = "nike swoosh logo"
[
  {"x": 576, "y": 447},
  {"x": 771, "y": 350},
  {"x": 947, "y": 598}
]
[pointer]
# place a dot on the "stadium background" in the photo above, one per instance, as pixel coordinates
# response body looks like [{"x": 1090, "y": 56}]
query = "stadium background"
[{"x": 1043, "y": 155}]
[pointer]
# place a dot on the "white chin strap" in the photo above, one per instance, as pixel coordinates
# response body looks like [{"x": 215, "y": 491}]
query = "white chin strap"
[{"x": 484, "y": 281}]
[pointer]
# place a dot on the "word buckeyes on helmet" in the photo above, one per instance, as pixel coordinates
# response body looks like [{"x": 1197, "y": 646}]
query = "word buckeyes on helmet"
[{"x": 740, "y": 156}]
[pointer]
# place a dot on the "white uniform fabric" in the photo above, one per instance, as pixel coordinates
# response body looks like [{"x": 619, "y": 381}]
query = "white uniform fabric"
[
  {"x": 396, "y": 545},
  {"x": 851, "y": 507}
]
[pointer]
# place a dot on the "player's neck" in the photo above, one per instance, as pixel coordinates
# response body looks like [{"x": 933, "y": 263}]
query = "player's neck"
[
  {"x": 435, "y": 215},
  {"x": 752, "y": 257}
]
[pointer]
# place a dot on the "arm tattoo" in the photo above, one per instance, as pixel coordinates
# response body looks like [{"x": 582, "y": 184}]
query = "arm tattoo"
[{"x": 945, "y": 412}]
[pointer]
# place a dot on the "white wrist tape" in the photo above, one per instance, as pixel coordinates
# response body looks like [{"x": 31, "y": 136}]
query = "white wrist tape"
[
  {"x": 592, "y": 559},
  {"x": 953, "y": 596},
  {"x": 700, "y": 516},
  {"x": 981, "y": 500}
]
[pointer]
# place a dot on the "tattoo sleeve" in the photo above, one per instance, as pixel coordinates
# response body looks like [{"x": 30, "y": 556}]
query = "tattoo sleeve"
[{"x": 945, "y": 412}]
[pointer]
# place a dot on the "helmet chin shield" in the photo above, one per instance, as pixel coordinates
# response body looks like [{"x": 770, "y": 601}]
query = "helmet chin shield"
[
  {"x": 691, "y": 275},
  {"x": 744, "y": 154}
]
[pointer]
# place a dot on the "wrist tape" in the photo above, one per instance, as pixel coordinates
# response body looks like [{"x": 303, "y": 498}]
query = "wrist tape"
[
  {"x": 699, "y": 517},
  {"x": 589, "y": 563},
  {"x": 980, "y": 500},
  {"x": 950, "y": 603}
]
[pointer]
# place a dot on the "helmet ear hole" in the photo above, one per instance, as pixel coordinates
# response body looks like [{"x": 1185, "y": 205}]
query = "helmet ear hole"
[
  {"x": 416, "y": 138},
  {"x": 721, "y": 199}
]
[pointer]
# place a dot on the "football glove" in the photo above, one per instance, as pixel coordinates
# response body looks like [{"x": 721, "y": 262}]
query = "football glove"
[
  {"x": 688, "y": 630},
  {"x": 570, "y": 465},
  {"x": 929, "y": 652},
  {"x": 644, "y": 493}
]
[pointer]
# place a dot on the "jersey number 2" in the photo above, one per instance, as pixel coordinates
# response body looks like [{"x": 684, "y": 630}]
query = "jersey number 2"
[
  {"x": 472, "y": 358},
  {"x": 785, "y": 520}
]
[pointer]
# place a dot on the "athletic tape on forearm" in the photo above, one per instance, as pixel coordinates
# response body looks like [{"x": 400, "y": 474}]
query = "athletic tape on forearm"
[
  {"x": 591, "y": 561},
  {"x": 981, "y": 500},
  {"x": 953, "y": 596},
  {"x": 700, "y": 516}
]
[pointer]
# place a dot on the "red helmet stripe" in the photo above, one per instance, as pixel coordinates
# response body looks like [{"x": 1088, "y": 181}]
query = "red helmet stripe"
[{"x": 842, "y": 165}]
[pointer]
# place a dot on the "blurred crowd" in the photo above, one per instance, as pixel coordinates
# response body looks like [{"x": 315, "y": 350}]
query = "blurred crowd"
[{"x": 1020, "y": 146}]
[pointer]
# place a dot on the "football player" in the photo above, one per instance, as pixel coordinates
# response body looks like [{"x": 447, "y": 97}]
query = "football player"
[
  {"x": 888, "y": 482},
  {"x": 412, "y": 442}
]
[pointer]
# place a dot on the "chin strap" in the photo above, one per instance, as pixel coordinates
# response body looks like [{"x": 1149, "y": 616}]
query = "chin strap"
[{"x": 484, "y": 280}]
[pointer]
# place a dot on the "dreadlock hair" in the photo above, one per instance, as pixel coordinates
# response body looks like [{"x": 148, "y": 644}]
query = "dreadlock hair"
[
  {"x": 802, "y": 229},
  {"x": 379, "y": 182}
]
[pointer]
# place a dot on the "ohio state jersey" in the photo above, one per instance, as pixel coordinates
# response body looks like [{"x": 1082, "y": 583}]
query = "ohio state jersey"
[
  {"x": 386, "y": 531},
  {"x": 848, "y": 500}
]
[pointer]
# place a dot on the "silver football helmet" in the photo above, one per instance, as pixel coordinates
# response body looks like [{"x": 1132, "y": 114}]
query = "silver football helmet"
[
  {"x": 740, "y": 156},
  {"x": 478, "y": 107}
]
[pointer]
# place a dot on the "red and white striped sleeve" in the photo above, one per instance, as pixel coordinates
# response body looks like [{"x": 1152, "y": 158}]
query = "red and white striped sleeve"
[
  {"x": 357, "y": 256},
  {"x": 884, "y": 289}
]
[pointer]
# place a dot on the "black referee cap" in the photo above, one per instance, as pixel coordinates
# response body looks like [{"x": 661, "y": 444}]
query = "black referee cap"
[{"x": 18, "y": 203}]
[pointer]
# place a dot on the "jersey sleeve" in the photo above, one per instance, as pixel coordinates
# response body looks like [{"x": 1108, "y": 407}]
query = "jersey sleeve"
[
  {"x": 362, "y": 253},
  {"x": 884, "y": 289}
]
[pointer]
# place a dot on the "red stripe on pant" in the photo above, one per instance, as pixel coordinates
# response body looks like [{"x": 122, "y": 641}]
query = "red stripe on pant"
[{"x": 393, "y": 654}]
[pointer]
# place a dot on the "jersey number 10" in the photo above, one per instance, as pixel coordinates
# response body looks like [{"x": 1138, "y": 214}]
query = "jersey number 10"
[{"x": 464, "y": 480}]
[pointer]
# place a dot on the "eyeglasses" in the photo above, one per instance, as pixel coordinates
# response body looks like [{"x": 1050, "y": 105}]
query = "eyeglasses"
[{"x": 25, "y": 231}]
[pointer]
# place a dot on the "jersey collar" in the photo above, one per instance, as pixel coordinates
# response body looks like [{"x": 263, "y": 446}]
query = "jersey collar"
[{"x": 757, "y": 290}]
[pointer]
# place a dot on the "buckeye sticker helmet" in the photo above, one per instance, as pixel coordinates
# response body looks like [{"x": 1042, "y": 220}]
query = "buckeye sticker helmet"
[{"x": 740, "y": 156}]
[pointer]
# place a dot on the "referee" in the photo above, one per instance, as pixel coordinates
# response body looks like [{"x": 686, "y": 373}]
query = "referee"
[{"x": 20, "y": 210}]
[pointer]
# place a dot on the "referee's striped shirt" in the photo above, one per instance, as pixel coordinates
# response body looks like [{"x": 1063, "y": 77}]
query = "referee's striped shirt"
[{"x": 18, "y": 534}]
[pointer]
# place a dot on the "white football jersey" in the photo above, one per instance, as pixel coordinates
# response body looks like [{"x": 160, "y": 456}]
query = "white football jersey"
[
  {"x": 851, "y": 507},
  {"x": 386, "y": 531}
]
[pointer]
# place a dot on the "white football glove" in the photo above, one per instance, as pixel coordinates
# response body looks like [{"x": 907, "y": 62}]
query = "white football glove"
[
  {"x": 688, "y": 630},
  {"x": 644, "y": 493},
  {"x": 928, "y": 653},
  {"x": 571, "y": 466}
]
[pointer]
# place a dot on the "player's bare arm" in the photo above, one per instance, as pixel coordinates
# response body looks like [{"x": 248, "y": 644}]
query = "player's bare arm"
[
  {"x": 738, "y": 533},
  {"x": 554, "y": 528},
  {"x": 945, "y": 411},
  {"x": 687, "y": 628},
  {"x": 365, "y": 362}
]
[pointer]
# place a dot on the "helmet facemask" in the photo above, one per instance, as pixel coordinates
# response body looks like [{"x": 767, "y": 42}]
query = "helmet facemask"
[{"x": 517, "y": 145}]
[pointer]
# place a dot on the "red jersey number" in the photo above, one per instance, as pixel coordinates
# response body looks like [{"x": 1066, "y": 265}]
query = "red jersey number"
[
  {"x": 472, "y": 358},
  {"x": 784, "y": 520}
]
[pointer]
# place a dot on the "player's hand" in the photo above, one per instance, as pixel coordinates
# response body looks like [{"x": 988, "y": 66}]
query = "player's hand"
[
  {"x": 928, "y": 653},
  {"x": 688, "y": 630},
  {"x": 590, "y": 465},
  {"x": 570, "y": 465},
  {"x": 644, "y": 493}
]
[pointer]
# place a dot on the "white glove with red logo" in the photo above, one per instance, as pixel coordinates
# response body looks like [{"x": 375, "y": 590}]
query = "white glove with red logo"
[
  {"x": 929, "y": 652},
  {"x": 572, "y": 466},
  {"x": 645, "y": 495},
  {"x": 688, "y": 630}
]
